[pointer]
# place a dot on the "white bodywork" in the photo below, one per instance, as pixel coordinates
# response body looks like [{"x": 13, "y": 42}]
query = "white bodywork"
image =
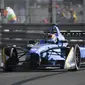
[{"x": 70, "y": 62}]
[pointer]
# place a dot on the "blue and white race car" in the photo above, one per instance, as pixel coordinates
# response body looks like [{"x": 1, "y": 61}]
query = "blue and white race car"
[{"x": 53, "y": 51}]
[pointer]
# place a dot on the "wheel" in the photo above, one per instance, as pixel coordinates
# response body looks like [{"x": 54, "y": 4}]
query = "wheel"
[
  {"x": 35, "y": 61},
  {"x": 9, "y": 58},
  {"x": 77, "y": 58},
  {"x": 62, "y": 64}
]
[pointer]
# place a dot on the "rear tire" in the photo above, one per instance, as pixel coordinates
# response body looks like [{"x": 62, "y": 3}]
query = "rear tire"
[{"x": 12, "y": 60}]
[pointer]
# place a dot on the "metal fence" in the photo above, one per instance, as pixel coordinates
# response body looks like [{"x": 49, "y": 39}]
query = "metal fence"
[
  {"x": 37, "y": 11},
  {"x": 20, "y": 34}
]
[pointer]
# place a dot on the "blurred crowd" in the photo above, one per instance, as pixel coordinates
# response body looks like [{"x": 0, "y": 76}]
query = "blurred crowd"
[{"x": 64, "y": 15}]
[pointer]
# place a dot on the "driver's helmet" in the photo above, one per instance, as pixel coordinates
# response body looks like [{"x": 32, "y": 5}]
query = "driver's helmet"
[{"x": 51, "y": 38}]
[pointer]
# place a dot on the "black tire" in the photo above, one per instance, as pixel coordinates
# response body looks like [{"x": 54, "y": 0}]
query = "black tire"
[
  {"x": 34, "y": 61},
  {"x": 77, "y": 58},
  {"x": 12, "y": 60},
  {"x": 62, "y": 64}
]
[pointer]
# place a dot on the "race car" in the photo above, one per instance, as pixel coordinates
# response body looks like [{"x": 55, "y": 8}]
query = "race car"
[{"x": 53, "y": 51}]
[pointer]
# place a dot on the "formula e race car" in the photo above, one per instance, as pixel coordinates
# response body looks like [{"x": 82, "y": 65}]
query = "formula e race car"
[{"x": 53, "y": 51}]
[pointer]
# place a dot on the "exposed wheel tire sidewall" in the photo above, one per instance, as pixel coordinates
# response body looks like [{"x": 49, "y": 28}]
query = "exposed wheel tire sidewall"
[
  {"x": 77, "y": 57},
  {"x": 12, "y": 60}
]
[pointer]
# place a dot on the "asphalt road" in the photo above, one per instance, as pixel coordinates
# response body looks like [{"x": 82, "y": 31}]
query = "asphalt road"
[
  {"x": 22, "y": 76},
  {"x": 43, "y": 77}
]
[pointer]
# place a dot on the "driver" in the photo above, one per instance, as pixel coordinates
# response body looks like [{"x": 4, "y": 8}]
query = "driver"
[{"x": 51, "y": 38}]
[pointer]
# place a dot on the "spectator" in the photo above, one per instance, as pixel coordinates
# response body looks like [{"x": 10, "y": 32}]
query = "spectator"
[
  {"x": 57, "y": 6},
  {"x": 61, "y": 17},
  {"x": 73, "y": 18},
  {"x": 67, "y": 13},
  {"x": 10, "y": 15},
  {"x": 46, "y": 21}
]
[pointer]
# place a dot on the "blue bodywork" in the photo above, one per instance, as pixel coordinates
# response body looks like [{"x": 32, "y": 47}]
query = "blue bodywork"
[
  {"x": 52, "y": 47},
  {"x": 44, "y": 47},
  {"x": 82, "y": 51}
]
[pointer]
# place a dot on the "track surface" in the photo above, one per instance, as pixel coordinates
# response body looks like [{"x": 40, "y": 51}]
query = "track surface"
[{"x": 43, "y": 77}]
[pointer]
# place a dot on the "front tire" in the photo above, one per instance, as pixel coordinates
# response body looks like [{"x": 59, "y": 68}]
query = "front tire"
[
  {"x": 35, "y": 61},
  {"x": 77, "y": 58}
]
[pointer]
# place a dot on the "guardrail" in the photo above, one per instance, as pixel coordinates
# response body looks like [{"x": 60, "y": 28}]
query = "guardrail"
[{"x": 20, "y": 34}]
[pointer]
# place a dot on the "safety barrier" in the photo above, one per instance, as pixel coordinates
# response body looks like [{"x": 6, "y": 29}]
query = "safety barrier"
[{"x": 20, "y": 34}]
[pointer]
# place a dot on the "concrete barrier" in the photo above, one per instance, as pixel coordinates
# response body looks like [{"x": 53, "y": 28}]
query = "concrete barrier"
[{"x": 20, "y": 34}]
